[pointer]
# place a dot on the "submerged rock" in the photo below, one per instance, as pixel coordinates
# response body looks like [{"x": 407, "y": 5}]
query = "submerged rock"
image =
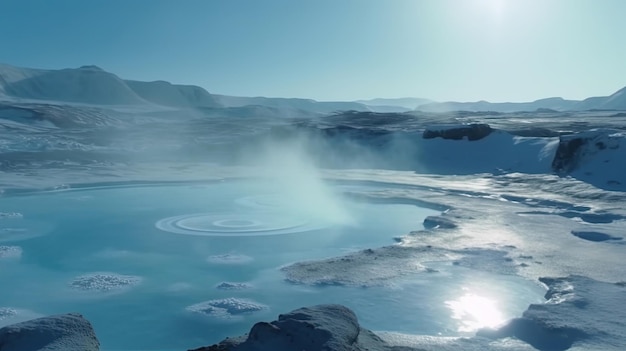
[
  {"x": 6, "y": 215},
  {"x": 233, "y": 286},
  {"x": 104, "y": 282},
  {"x": 67, "y": 332},
  {"x": 226, "y": 309},
  {"x": 7, "y": 312},
  {"x": 10, "y": 251},
  {"x": 316, "y": 328}
]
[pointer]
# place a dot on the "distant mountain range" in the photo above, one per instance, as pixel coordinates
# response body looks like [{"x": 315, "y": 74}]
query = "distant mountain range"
[
  {"x": 92, "y": 85},
  {"x": 617, "y": 101}
]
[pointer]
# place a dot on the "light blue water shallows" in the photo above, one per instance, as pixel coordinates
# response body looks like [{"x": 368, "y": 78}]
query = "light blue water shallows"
[{"x": 173, "y": 244}]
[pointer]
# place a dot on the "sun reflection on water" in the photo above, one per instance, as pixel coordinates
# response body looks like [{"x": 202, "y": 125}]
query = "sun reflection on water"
[{"x": 475, "y": 312}]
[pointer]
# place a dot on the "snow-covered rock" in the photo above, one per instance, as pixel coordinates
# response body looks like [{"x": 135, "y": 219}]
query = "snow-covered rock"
[
  {"x": 595, "y": 156},
  {"x": 67, "y": 332},
  {"x": 481, "y": 149},
  {"x": 366, "y": 268},
  {"x": 316, "y": 328}
]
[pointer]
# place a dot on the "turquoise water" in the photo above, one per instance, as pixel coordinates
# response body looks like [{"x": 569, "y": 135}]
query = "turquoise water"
[{"x": 176, "y": 243}]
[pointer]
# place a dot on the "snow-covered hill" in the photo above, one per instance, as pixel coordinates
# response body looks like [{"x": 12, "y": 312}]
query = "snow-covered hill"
[
  {"x": 617, "y": 101},
  {"x": 292, "y": 104},
  {"x": 168, "y": 94},
  {"x": 555, "y": 103},
  {"x": 87, "y": 85},
  {"x": 394, "y": 105},
  {"x": 92, "y": 85}
]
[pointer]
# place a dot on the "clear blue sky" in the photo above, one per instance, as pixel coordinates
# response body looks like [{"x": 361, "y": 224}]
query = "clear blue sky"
[{"x": 464, "y": 50}]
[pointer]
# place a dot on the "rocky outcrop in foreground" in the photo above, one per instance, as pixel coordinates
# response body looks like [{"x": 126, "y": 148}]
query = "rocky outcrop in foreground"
[
  {"x": 66, "y": 332},
  {"x": 595, "y": 156},
  {"x": 315, "y": 328}
]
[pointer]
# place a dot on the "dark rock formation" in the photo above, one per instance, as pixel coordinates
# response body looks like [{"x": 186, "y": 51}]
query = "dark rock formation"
[
  {"x": 535, "y": 132},
  {"x": 567, "y": 154},
  {"x": 67, "y": 332},
  {"x": 431, "y": 222},
  {"x": 471, "y": 132},
  {"x": 316, "y": 328},
  {"x": 574, "y": 148}
]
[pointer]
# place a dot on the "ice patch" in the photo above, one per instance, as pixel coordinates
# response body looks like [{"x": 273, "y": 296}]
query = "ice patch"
[
  {"x": 226, "y": 309},
  {"x": 10, "y": 252},
  {"x": 104, "y": 282},
  {"x": 5, "y": 215},
  {"x": 594, "y": 236},
  {"x": 233, "y": 286},
  {"x": 7, "y": 312},
  {"x": 229, "y": 259},
  {"x": 364, "y": 268}
]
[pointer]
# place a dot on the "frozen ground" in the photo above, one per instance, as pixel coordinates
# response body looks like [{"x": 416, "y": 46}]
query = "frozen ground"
[{"x": 211, "y": 230}]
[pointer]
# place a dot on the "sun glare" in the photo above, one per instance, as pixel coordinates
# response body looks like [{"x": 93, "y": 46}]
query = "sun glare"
[
  {"x": 495, "y": 7},
  {"x": 475, "y": 312}
]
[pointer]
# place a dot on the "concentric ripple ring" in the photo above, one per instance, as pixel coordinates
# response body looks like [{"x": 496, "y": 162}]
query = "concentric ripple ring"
[{"x": 237, "y": 224}]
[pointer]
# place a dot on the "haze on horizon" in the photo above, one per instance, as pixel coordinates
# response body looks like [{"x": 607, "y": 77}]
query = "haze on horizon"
[{"x": 462, "y": 50}]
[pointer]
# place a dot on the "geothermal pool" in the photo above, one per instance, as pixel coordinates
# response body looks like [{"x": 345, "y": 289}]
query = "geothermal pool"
[{"x": 179, "y": 265}]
